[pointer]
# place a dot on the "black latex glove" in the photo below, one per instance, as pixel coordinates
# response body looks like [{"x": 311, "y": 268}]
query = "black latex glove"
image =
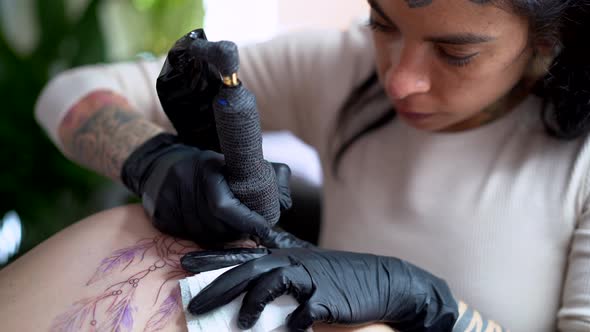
[
  {"x": 331, "y": 286},
  {"x": 186, "y": 195}
]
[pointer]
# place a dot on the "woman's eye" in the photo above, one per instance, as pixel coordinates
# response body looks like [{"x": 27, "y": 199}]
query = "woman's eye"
[
  {"x": 379, "y": 27},
  {"x": 454, "y": 60}
]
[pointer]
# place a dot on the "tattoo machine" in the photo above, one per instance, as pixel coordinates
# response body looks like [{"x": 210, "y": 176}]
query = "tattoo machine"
[{"x": 209, "y": 107}]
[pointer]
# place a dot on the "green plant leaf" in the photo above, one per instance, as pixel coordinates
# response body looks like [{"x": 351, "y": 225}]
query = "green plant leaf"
[{"x": 53, "y": 26}]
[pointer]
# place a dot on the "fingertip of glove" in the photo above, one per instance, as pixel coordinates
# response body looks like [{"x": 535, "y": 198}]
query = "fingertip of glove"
[
  {"x": 187, "y": 263},
  {"x": 245, "y": 323},
  {"x": 281, "y": 169},
  {"x": 195, "y": 308},
  {"x": 285, "y": 202}
]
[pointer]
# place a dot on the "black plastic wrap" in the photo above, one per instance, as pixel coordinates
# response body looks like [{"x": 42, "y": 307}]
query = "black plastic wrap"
[{"x": 186, "y": 88}]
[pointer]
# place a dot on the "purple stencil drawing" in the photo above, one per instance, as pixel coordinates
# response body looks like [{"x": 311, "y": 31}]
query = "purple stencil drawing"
[
  {"x": 119, "y": 316},
  {"x": 122, "y": 257},
  {"x": 127, "y": 318},
  {"x": 113, "y": 308},
  {"x": 75, "y": 318},
  {"x": 172, "y": 275},
  {"x": 171, "y": 305}
]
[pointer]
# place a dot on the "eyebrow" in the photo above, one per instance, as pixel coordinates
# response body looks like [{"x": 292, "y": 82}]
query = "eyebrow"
[
  {"x": 453, "y": 39},
  {"x": 461, "y": 39},
  {"x": 375, "y": 6}
]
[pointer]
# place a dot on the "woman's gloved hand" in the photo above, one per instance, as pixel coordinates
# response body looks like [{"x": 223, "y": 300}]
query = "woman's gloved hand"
[
  {"x": 331, "y": 286},
  {"x": 186, "y": 195}
]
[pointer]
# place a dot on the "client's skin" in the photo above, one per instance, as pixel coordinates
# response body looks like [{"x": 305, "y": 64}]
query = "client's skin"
[{"x": 111, "y": 271}]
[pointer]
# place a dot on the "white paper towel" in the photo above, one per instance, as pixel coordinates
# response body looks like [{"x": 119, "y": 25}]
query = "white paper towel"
[{"x": 273, "y": 317}]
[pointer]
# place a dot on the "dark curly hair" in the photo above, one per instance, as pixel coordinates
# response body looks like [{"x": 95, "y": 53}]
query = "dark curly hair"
[{"x": 565, "y": 89}]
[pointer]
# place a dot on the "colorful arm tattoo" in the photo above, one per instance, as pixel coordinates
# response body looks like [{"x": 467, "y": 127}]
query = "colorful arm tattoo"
[
  {"x": 113, "y": 308},
  {"x": 471, "y": 321},
  {"x": 102, "y": 130}
]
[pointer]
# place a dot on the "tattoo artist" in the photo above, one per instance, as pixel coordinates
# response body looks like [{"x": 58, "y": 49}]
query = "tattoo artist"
[{"x": 453, "y": 138}]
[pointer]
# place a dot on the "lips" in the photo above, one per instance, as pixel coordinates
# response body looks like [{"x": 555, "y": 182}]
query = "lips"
[
  {"x": 408, "y": 114},
  {"x": 415, "y": 114}
]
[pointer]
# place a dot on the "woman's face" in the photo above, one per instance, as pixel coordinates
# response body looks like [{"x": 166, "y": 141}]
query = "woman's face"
[{"x": 444, "y": 64}]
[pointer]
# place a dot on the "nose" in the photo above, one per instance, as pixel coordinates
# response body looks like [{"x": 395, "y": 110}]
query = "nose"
[{"x": 408, "y": 73}]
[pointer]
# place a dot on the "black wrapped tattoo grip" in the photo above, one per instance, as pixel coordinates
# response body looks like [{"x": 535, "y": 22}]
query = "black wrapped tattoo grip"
[{"x": 223, "y": 117}]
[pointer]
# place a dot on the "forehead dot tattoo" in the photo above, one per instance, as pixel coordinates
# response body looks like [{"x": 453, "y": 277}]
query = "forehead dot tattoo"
[
  {"x": 423, "y": 3},
  {"x": 418, "y": 3}
]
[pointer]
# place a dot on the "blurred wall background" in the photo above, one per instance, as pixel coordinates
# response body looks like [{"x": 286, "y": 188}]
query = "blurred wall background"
[{"x": 41, "y": 192}]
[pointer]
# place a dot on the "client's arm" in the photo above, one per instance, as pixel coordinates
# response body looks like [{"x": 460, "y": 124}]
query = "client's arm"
[{"x": 110, "y": 271}]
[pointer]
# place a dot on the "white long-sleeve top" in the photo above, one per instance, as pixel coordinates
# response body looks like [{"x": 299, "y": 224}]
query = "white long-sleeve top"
[{"x": 501, "y": 212}]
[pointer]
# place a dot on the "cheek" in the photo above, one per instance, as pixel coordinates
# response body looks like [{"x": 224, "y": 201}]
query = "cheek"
[
  {"x": 470, "y": 90},
  {"x": 468, "y": 98}
]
